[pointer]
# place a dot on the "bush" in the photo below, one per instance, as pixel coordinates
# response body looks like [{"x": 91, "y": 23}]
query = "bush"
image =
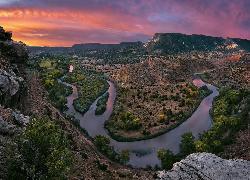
[
  {"x": 102, "y": 166},
  {"x": 39, "y": 152},
  {"x": 167, "y": 158},
  {"x": 123, "y": 156}
]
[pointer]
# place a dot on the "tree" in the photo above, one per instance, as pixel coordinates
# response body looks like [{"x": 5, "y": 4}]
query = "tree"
[
  {"x": 39, "y": 152},
  {"x": 194, "y": 93},
  {"x": 201, "y": 147},
  {"x": 187, "y": 143},
  {"x": 102, "y": 142},
  {"x": 123, "y": 156},
  {"x": 189, "y": 101},
  {"x": 167, "y": 158}
]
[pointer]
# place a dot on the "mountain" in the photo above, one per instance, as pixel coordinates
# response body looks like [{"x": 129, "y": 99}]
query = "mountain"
[
  {"x": 170, "y": 43},
  {"x": 85, "y": 47},
  {"x": 98, "y": 46}
]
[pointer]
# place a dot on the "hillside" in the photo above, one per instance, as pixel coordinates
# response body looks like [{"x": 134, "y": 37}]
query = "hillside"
[
  {"x": 175, "y": 42},
  {"x": 157, "y": 71}
]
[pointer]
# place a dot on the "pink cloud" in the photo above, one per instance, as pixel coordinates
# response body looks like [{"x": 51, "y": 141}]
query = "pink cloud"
[{"x": 120, "y": 20}]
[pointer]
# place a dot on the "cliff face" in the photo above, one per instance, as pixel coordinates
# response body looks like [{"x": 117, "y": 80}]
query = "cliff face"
[
  {"x": 13, "y": 57},
  {"x": 207, "y": 166}
]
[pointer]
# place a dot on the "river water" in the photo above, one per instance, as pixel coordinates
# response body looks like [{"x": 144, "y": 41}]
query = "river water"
[{"x": 145, "y": 152}]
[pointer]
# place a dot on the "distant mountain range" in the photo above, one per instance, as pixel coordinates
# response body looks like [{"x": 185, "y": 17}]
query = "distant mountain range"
[
  {"x": 167, "y": 43},
  {"x": 87, "y": 47}
]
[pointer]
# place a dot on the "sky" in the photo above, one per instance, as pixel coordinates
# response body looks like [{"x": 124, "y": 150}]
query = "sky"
[{"x": 68, "y": 22}]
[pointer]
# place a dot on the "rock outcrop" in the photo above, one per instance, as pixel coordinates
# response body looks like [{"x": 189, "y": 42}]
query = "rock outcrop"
[
  {"x": 13, "y": 57},
  {"x": 207, "y": 166},
  {"x": 12, "y": 121}
]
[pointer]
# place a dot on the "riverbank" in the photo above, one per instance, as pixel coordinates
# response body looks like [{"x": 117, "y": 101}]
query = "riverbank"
[{"x": 206, "y": 78}]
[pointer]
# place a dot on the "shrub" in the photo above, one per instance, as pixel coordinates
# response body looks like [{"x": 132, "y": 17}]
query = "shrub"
[
  {"x": 39, "y": 152},
  {"x": 123, "y": 156},
  {"x": 167, "y": 158}
]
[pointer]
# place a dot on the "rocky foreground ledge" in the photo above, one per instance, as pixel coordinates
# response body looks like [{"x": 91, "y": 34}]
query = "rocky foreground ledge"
[{"x": 207, "y": 166}]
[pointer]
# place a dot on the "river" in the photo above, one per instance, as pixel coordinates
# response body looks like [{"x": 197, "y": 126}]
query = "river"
[{"x": 144, "y": 152}]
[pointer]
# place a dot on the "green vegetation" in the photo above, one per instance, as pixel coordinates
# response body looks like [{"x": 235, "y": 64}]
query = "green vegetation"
[
  {"x": 167, "y": 158},
  {"x": 90, "y": 87},
  {"x": 128, "y": 121},
  {"x": 57, "y": 91},
  {"x": 102, "y": 104},
  {"x": 102, "y": 143},
  {"x": 123, "y": 156},
  {"x": 47, "y": 63},
  {"x": 39, "y": 152},
  {"x": 206, "y": 78},
  {"x": 230, "y": 113}
]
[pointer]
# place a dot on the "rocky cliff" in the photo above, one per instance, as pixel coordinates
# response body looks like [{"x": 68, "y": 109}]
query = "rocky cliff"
[
  {"x": 207, "y": 166},
  {"x": 13, "y": 57}
]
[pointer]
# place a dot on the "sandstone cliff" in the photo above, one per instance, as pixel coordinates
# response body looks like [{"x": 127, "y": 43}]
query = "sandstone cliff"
[{"x": 208, "y": 166}]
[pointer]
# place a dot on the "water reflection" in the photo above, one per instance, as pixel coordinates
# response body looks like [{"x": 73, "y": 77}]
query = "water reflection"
[{"x": 145, "y": 152}]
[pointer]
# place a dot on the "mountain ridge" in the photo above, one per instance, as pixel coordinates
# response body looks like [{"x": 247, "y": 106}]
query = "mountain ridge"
[{"x": 176, "y": 42}]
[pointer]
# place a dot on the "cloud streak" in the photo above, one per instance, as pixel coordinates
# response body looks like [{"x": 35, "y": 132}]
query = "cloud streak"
[{"x": 64, "y": 22}]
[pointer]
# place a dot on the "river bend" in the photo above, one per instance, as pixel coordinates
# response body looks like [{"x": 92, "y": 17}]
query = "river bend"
[{"x": 145, "y": 151}]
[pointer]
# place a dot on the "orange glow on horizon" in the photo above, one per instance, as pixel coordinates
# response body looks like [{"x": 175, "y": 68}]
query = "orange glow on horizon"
[{"x": 33, "y": 21}]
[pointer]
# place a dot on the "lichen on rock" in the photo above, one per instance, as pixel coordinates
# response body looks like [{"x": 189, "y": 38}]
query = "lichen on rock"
[{"x": 207, "y": 166}]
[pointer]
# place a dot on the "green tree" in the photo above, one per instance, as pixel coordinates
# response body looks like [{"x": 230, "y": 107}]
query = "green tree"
[
  {"x": 167, "y": 158},
  {"x": 39, "y": 152},
  {"x": 102, "y": 142},
  {"x": 201, "y": 147},
  {"x": 220, "y": 107},
  {"x": 123, "y": 156},
  {"x": 187, "y": 143}
]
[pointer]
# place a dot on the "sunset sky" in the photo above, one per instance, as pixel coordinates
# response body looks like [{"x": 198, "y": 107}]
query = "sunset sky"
[{"x": 68, "y": 22}]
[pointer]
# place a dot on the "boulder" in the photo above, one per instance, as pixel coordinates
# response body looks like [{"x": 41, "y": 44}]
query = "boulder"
[
  {"x": 19, "y": 118},
  {"x": 6, "y": 128},
  {"x": 9, "y": 82},
  {"x": 207, "y": 166}
]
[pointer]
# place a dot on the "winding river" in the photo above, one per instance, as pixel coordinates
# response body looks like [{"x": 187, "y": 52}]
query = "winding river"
[{"x": 145, "y": 152}]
